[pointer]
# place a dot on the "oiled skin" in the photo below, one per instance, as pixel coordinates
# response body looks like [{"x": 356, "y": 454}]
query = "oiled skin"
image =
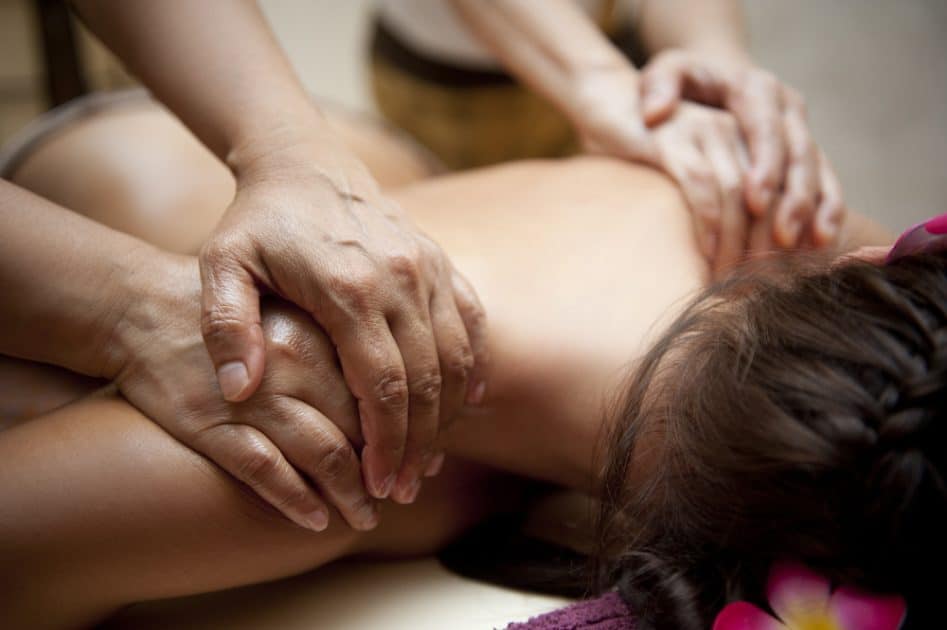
[{"x": 579, "y": 263}]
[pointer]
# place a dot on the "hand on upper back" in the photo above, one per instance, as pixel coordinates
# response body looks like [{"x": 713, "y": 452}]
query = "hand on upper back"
[
  {"x": 700, "y": 148},
  {"x": 705, "y": 151},
  {"x": 789, "y": 186},
  {"x": 408, "y": 329},
  {"x": 293, "y": 442}
]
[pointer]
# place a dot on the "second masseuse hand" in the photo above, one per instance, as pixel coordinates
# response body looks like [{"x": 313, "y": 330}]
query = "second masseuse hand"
[
  {"x": 310, "y": 224},
  {"x": 293, "y": 442},
  {"x": 790, "y": 187},
  {"x": 699, "y": 147}
]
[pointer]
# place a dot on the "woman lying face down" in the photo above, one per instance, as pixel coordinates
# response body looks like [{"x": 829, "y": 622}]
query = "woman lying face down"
[
  {"x": 796, "y": 412},
  {"x": 102, "y": 508}
]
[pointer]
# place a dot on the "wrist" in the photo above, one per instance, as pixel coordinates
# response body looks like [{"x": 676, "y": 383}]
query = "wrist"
[
  {"x": 720, "y": 52},
  {"x": 292, "y": 144},
  {"x": 599, "y": 88},
  {"x": 160, "y": 295},
  {"x": 293, "y": 156}
]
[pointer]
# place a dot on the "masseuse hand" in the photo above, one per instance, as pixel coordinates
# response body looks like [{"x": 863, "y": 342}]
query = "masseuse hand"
[
  {"x": 280, "y": 441},
  {"x": 699, "y": 147},
  {"x": 309, "y": 224},
  {"x": 790, "y": 186}
]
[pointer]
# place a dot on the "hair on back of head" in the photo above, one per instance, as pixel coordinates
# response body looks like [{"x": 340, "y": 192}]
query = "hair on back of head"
[{"x": 793, "y": 412}]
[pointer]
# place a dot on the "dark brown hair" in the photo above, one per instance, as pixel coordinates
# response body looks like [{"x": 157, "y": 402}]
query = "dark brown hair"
[{"x": 799, "y": 413}]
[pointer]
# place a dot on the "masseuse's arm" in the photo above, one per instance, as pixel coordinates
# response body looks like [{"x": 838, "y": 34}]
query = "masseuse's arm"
[
  {"x": 98, "y": 302},
  {"x": 308, "y": 223},
  {"x": 561, "y": 54}
]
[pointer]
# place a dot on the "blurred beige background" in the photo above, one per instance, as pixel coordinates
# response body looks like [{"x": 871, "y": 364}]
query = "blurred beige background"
[{"x": 874, "y": 73}]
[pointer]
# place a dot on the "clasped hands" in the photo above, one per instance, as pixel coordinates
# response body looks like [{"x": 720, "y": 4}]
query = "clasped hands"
[{"x": 332, "y": 394}]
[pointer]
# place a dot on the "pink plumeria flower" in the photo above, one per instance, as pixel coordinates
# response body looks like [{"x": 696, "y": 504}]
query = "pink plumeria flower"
[{"x": 804, "y": 600}]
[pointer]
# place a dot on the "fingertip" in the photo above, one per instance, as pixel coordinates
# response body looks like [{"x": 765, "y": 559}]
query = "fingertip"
[
  {"x": 366, "y": 515},
  {"x": 317, "y": 520},
  {"x": 384, "y": 488},
  {"x": 657, "y": 107},
  {"x": 234, "y": 380},
  {"x": 788, "y": 233},
  {"x": 434, "y": 466},
  {"x": 759, "y": 195},
  {"x": 476, "y": 391},
  {"x": 827, "y": 226},
  {"x": 406, "y": 493},
  {"x": 379, "y": 479}
]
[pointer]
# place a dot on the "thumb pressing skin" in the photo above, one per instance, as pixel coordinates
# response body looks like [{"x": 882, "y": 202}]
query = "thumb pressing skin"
[
  {"x": 660, "y": 94},
  {"x": 230, "y": 324}
]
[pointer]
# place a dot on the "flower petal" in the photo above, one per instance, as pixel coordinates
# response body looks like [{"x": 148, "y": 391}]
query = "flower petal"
[
  {"x": 745, "y": 616},
  {"x": 857, "y": 610},
  {"x": 794, "y": 592}
]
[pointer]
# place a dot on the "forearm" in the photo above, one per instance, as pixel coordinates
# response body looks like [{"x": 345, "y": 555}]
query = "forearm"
[
  {"x": 217, "y": 65},
  {"x": 66, "y": 282},
  {"x": 549, "y": 49},
  {"x": 100, "y": 508},
  {"x": 714, "y": 27}
]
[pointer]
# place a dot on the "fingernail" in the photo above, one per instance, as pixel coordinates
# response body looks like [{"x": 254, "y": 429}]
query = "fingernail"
[
  {"x": 405, "y": 491},
  {"x": 411, "y": 493},
  {"x": 384, "y": 489},
  {"x": 317, "y": 520},
  {"x": 476, "y": 393},
  {"x": 790, "y": 232},
  {"x": 434, "y": 466},
  {"x": 765, "y": 197},
  {"x": 369, "y": 514},
  {"x": 233, "y": 379},
  {"x": 827, "y": 230}
]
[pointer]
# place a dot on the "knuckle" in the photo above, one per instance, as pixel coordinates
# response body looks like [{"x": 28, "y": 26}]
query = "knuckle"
[
  {"x": 708, "y": 213},
  {"x": 405, "y": 266},
  {"x": 426, "y": 388},
  {"x": 794, "y": 98},
  {"x": 217, "y": 324},
  {"x": 799, "y": 204},
  {"x": 731, "y": 189},
  {"x": 359, "y": 289},
  {"x": 391, "y": 389},
  {"x": 836, "y": 209},
  {"x": 296, "y": 500},
  {"x": 764, "y": 79},
  {"x": 698, "y": 175},
  {"x": 216, "y": 251},
  {"x": 336, "y": 462},
  {"x": 459, "y": 363},
  {"x": 474, "y": 316},
  {"x": 771, "y": 178},
  {"x": 258, "y": 465}
]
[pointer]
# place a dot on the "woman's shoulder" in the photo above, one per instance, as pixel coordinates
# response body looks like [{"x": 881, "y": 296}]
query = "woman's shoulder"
[
  {"x": 558, "y": 191},
  {"x": 575, "y": 174}
]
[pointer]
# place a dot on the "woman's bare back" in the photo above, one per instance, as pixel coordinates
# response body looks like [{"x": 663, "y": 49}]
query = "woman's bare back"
[{"x": 575, "y": 262}]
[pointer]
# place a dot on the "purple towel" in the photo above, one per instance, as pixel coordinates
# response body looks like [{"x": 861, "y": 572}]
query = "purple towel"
[{"x": 607, "y": 612}]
